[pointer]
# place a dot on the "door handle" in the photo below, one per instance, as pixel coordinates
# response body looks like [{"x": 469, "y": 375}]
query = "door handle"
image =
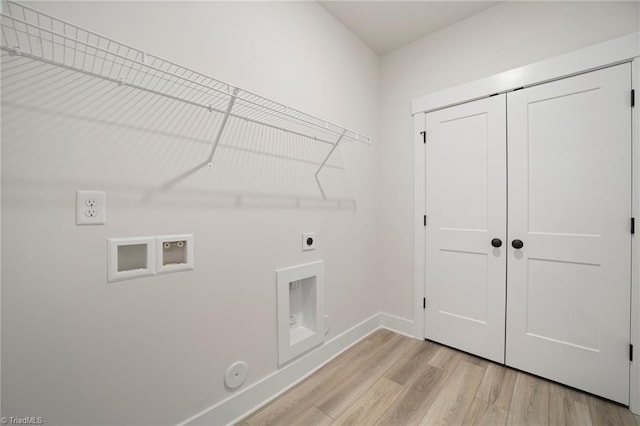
[
  {"x": 496, "y": 242},
  {"x": 517, "y": 244}
]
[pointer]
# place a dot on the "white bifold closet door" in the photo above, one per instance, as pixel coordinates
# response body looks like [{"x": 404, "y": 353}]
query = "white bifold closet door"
[
  {"x": 555, "y": 296},
  {"x": 466, "y": 210},
  {"x": 568, "y": 297}
]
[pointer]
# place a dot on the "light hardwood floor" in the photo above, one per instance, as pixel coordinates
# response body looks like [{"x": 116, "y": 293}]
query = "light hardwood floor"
[{"x": 389, "y": 379}]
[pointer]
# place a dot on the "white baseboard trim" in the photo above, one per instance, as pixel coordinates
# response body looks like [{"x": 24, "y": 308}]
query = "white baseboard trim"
[
  {"x": 398, "y": 325},
  {"x": 245, "y": 402}
]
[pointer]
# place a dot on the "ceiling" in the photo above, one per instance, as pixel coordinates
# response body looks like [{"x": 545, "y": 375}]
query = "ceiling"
[{"x": 388, "y": 25}]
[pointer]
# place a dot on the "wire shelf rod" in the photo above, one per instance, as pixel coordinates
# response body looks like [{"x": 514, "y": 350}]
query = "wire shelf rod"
[
  {"x": 273, "y": 126},
  {"x": 121, "y": 58},
  {"x": 210, "y": 109},
  {"x": 204, "y": 106},
  {"x": 261, "y": 107},
  {"x": 103, "y": 50},
  {"x": 111, "y": 79}
]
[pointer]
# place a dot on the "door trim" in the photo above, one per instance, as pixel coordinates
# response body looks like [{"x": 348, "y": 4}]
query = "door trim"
[
  {"x": 612, "y": 52},
  {"x": 619, "y": 50},
  {"x": 634, "y": 396}
]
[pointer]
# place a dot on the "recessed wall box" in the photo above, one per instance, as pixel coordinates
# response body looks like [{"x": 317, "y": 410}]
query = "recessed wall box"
[
  {"x": 130, "y": 258},
  {"x": 300, "y": 292},
  {"x": 174, "y": 253},
  {"x": 308, "y": 241}
]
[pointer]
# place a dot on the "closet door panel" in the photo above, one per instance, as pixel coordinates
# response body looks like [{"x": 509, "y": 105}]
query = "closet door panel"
[
  {"x": 466, "y": 208},
  {"x": 569, "y": 199}
]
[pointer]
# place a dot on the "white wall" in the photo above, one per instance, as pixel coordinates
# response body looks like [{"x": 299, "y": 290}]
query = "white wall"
[
  {"x": 77, "y": 350},
  {"x": 503, "y": 37}
]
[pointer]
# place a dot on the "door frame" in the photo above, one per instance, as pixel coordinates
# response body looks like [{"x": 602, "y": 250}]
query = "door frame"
[{"x": 612, "y": 52}]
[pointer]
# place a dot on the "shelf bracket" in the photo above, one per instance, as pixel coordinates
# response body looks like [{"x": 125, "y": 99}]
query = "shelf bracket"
[
  {"x": 335, "y": 145},
  {"x": 324, "y": 196},
  {"x": 227, "y": 113}
]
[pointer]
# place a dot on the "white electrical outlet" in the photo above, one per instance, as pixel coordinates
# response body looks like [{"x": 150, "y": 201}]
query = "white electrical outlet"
[{"x": 91, "y": 208}]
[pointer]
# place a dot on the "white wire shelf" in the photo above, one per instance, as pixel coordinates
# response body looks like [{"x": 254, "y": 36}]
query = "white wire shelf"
[{"x": 32, "y": 34}]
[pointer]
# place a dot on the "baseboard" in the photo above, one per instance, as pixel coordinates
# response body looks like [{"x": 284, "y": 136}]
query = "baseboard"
[
  {"x": 398, "y": 325},
  {"x": 258, "y": 394},
  {"x": 253, "y": 397}
]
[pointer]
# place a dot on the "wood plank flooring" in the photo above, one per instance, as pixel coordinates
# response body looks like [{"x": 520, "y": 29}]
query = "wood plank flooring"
[{"x": 389, "y": 379}]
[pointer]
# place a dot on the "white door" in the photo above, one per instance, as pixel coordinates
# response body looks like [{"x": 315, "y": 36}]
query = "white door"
[
  {"x": 466, "y": 210},
  {"x": 569, "y": 203}
]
